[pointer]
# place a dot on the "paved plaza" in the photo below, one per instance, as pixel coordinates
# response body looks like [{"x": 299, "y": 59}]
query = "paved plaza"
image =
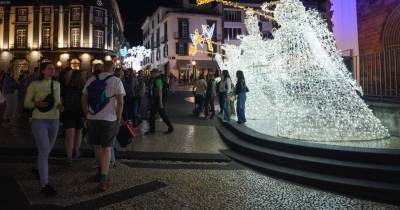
[{"x": 183, "y": 170}]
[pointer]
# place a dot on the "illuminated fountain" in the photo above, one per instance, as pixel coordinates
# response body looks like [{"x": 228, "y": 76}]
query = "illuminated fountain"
[{"x": 299, "y": 85}]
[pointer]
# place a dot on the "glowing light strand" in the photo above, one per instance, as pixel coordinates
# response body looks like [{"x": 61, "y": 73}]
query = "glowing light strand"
[
  {"x": 264, "y": 13},
  {"x": 299, "y": 85}
]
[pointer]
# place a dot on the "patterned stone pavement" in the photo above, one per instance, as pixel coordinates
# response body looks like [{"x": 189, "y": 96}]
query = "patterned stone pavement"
[{"x": 159, "y": 184}]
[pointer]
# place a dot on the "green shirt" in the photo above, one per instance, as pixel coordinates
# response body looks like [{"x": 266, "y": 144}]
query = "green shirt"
[
  {"x": 37, "y": 91},
  {"x": 159, "y": 84}
]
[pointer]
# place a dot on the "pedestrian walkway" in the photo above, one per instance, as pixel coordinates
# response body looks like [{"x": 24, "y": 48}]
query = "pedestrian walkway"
[{"x": 182, "y": 170}]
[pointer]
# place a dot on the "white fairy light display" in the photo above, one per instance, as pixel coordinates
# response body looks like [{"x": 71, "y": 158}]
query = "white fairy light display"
[
  {"x": 298, "y": 79},
  {"x": 133, "y": 57}
]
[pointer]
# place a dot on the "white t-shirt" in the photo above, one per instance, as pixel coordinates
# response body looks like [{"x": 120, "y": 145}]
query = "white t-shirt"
[
  {"x": 114, "y": 88},
  {"x": 200, "y": 86}
]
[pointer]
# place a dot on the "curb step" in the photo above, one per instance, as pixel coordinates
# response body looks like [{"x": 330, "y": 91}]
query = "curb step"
[
  {"x": 347, "y": 171},
  {"x": 335, "y": 166}
]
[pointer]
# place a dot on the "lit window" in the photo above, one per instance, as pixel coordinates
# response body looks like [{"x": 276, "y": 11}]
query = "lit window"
[
  {"x": 98, "y": 16},
  {"x": 233, "y": 16},
  {"x": 46, "y": 14},
  {"x": 76, "y": 14},
  {"x": 21, "y": 38},
  {"x": 22, "y": 15},
  {"x": 232, "y": 33},
  {"x": 98, "y": 41},
  {"x": 46, "y": 37},
  {"x": 75, "y": 37}
]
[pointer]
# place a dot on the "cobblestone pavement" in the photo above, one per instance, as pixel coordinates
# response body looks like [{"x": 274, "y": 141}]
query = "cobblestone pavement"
[{"x": 185, "y": 182}]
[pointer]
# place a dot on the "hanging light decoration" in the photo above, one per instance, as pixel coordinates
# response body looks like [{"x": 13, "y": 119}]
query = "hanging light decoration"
[{"x": 133, "y": 57}]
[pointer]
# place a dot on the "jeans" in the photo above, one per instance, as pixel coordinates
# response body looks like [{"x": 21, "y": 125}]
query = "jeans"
[
  {"x": 240, "y": 107},
  {"x": 200, "y": 103},
  {"x": 210, "y": 106},
  {"x": 227, "y": 107},
  {"x": 221, "y": 101},
  {"x": 45, "y": 134},
  {"x": 135, "y": 110}
]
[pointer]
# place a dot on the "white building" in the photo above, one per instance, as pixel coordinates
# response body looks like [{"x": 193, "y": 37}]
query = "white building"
[
  {"x": 233, "y": 21},
  {"x": 167, "y": 33}
]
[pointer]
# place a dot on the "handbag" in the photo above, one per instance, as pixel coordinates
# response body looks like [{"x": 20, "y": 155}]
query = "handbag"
[
  {"x": 126, "y": 134},
  {"x": 49, "y": 100}
]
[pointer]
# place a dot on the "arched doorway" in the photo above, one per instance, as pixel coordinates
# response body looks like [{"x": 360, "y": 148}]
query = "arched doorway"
[
  {"x": 391, "y": 54},
  {"x": 19, "y": 66},
  {"x": 391, "y": 31}
]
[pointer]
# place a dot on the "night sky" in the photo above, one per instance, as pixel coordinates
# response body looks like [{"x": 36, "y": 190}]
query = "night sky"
[{"x": 134, "y": 12}]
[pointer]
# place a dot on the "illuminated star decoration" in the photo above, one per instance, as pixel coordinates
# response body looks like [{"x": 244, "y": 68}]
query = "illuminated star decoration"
[
  {"x": 205, "y": 37},
  {"x": 133, "y": 57}
]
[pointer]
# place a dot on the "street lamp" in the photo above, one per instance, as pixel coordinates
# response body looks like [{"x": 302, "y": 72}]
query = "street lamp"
[{"x": 194, "y": 70}]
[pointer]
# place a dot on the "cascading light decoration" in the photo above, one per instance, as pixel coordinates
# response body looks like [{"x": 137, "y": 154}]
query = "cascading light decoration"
[
  {"x": 298, "y": 80},
  {"x": 133, "y": 57}
]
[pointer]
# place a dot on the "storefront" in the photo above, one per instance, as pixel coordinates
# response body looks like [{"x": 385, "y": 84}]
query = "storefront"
[{"x": 189, "y": 70}]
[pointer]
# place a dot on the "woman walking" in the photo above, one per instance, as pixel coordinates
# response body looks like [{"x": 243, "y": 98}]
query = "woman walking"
[
  {"x": 43, "y": 96},
  {"x": 241, "y": 90},
  {"x": 73, "y": 115}
]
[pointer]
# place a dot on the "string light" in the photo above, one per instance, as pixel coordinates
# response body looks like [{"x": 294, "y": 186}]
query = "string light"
[
  {"x": 133, "y": 57},
  {"x": 264, "y": 13},
  {"x": 298, "y": 82}
]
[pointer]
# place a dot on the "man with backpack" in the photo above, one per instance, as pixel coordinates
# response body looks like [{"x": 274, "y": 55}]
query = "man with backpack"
[
  {"x": 102, "y": 102},
  {"x": 159, "y": 95}
]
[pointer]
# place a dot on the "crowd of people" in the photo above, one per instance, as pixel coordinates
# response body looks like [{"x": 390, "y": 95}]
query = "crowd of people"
[
  {"x": 94, "y": 105},
  {"x": 206, "y": 89}
]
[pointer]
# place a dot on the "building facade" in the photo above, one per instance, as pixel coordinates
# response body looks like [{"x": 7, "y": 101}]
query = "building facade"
[
  {"x": 68, "y": 32},
  {"x": 167, "y": 33},
  {"x": 379, "y": 47}
]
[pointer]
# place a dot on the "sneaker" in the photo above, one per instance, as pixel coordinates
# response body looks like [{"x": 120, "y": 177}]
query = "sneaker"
[
  {"x": 103, "y": 185},
  {"x": 49, "y": 191},
  {"x": 170, "y": 130}
]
